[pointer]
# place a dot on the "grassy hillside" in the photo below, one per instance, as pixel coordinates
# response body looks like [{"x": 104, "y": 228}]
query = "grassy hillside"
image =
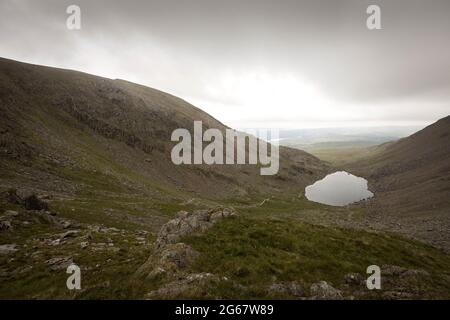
[
  {"x": 411, "y": 180},
  {"x": 247, "y": 255},
  {"x": 60, "y": 124}
]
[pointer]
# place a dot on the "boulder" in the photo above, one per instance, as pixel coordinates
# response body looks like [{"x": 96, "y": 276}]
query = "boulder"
[
  {"x": 324, "y": 291},
  {"x": 171, "y": 256},
  {"x": 186, "y": 223}
]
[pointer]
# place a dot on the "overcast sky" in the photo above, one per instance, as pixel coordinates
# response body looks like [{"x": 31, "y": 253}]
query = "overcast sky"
[{"x": 254, "y": 63}]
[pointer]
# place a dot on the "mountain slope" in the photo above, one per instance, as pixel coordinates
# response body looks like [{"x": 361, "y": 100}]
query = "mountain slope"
[
  {"x": 98, "y": 151},
  {"x": 72, "y": 134},
  {"x": 411, "y": 180}
]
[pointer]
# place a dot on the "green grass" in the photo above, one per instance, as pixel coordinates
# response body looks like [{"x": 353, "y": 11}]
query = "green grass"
[
  {"x": 255, "y": 253},
  {"x": 105, "y": 274}
]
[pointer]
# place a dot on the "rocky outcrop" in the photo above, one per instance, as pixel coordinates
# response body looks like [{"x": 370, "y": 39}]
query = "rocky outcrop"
[
  {"x": 171, "y": 256},
  {"x": 30, "y": 202},
  {"x": 187, "y": 223}
]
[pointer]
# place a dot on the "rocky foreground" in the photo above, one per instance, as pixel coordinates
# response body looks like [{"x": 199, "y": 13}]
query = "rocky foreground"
[{"x": 37, "y": 245}]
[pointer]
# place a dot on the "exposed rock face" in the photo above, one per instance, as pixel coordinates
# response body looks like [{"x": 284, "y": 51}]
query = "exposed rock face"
[
  {"x": 187, "y": 223},
  {"x": 324, "y": 291},
  {"x": 171, "y": 256}
]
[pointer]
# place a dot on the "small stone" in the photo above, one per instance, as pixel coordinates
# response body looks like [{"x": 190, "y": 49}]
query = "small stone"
[{"x": 84, "y": 244}]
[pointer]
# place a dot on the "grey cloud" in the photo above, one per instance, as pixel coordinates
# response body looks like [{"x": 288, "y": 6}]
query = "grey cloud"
[{"x": 181, "y": 45}]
